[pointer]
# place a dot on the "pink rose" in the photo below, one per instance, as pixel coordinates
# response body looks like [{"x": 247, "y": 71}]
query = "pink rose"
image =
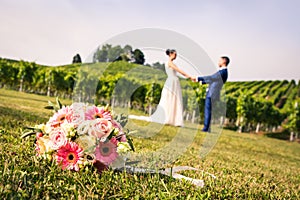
[
  {"x": 123, "y": 138},
  {"x": 57, "y": 138},
  {"x": 76, "y": 113},
  {"x": 100, "y": 128},
  {"x": 114, "y": 141}
]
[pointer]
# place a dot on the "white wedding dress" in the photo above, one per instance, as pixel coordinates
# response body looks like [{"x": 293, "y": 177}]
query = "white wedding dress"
[{"x": 170, "y": 108}]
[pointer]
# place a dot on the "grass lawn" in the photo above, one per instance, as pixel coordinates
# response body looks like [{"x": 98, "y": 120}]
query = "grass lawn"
[{"x": 247, "y": 166}]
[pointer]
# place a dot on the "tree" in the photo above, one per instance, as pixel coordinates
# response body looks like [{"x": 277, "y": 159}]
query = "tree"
[
  {"x": 138, "y": 56},
  {"x": 127, "y": 49},
  {"x": 76, "y": 59},
  {"x": 231, "y": 103},
  {"x": 25, "y": 74},
  {"x": 39, "y": 81},
  {"x": 138, "y": 97},
  {"x": 8, "y": 74},
  {"x": 152, "y": 95},
  {"x": 101, "y": 55},
  {"x": 293, "y": 124},
  {"x": 298, "y": 92},
  {"x": 122, "y": 57},
  {"x": 241, "y": 110},
  {"x": 109, "y": 53},
  {"x": 114, "y": 53},
  {"x": 158, "y": 65},
  {"x": 126, "y": 54}
]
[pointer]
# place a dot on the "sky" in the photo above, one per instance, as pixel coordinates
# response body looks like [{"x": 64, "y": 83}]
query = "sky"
[{"x": 262, "y": 37}]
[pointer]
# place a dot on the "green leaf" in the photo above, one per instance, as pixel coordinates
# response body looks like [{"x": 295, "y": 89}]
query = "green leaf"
[
  {"x": 49, "y": 107},
  {"x": 59, "y": 105},
  {"x": 111, "y": 134},
  {"x": 52, "y": 106},
  {"x": 130, "y": 142}
]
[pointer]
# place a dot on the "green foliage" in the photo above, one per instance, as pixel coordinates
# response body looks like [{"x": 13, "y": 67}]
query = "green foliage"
[
  {"x": 101, "y": 55},
  {"x": 254, "y": 111},
  {"x": 263, "y": 102},
  {"x": 243, "y": 105},
  {"x": 139, "y": 57},
  {"x": 77, "y": 59},
  {"x": 294, "y": 118},
  {"x": 153, "y": 93},
  {"x": 298, "y": 93},
  {"x": 9, "y": 76},
  {"x": 109, "y": 53},
  {"x": 158, "y": 65},
  {"x": 231, "y": 105}
]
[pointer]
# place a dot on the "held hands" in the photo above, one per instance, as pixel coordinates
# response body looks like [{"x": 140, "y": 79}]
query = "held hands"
[{"x": 194, "y": 79}]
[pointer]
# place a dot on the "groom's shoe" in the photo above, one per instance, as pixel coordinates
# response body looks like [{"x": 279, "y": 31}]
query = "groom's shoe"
[{"x": 207, "y": 130}]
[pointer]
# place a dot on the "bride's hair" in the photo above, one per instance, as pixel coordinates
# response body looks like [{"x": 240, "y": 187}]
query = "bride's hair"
[{"x": 169, "y": 51}]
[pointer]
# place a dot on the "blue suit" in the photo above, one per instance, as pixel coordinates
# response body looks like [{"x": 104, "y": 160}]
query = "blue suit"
[{"x": 215, "y": 82}]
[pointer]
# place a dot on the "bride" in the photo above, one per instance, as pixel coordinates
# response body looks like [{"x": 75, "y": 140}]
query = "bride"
[{"x": 170, "y": 109}]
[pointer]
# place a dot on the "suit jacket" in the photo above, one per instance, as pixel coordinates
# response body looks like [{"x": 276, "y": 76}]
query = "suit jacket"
[{"x": 215, "y": 82}]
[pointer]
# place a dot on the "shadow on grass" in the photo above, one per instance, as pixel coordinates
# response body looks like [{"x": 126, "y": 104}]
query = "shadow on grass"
[
  {"x": 14, "y": 117},
  {"x": 284, "y": 135},
  {"x": 30, "y": 99}
]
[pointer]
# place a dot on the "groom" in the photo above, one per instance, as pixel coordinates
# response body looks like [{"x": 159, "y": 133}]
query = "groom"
[{"x": 215, "y": 82}]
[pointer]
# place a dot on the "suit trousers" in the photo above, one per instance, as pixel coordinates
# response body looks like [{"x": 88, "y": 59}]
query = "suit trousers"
[{"x": 207, "y": 113}]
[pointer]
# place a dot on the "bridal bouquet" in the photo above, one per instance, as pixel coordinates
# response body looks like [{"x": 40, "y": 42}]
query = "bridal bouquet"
[{"x": 80, "y": 135}]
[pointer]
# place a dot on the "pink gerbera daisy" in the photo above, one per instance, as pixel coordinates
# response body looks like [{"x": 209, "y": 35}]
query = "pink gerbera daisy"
[
  {"x": 70, "y": 156},
  {"x": 59, "y": 117},
  {"x": 106, "y": 152},
  {"x": 94, "y": 112}
]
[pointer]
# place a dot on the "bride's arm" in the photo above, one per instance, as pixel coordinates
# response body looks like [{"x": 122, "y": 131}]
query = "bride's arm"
[{"x": 172, "y": 65}]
